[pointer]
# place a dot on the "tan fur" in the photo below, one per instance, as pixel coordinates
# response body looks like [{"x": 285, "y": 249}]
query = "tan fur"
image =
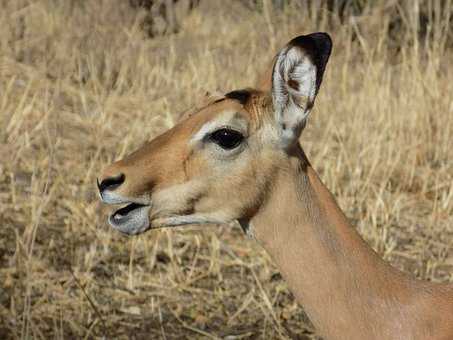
[{"x": 346, "y": 289}]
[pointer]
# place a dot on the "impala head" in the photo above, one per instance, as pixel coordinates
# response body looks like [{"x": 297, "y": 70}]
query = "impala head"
[{"x": 217, "y": 163}]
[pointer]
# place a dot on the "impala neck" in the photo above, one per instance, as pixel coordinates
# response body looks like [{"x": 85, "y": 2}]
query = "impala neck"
[{"x": 347, "y": 291}]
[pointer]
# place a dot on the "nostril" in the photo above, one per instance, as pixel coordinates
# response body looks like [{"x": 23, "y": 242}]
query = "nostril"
[{"x": 111, "y": 183}]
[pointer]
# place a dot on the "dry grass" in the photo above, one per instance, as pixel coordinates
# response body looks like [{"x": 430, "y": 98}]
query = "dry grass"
[{"x": 80, "y": 86}]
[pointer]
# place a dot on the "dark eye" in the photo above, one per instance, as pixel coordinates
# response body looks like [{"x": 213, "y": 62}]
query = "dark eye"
[{"x": 226, "y": 138}]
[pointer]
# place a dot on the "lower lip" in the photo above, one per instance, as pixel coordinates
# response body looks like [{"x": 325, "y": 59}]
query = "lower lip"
[{"x": 130, "y": 219}]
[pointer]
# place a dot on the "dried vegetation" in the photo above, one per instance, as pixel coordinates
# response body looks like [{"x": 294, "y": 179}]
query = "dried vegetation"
[{"x": 81, "y": 84}]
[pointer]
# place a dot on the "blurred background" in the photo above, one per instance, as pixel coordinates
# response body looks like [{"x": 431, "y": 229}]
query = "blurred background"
[{"x": 83, "y": 83}]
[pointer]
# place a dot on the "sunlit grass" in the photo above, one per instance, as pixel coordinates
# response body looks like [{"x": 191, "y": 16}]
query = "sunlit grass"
[{"x": 81, "y": 85}]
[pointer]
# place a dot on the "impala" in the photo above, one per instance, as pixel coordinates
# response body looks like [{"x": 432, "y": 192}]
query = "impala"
[{"x": 238, "y": 157}]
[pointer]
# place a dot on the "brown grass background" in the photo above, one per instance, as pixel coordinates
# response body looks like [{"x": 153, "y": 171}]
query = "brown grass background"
[{"x": 81, "y": 85}]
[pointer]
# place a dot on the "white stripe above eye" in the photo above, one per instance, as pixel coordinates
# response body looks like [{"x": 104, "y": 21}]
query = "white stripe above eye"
[
  {"x": 226, "y": 119},
  {"x": 207, "y": 128}
]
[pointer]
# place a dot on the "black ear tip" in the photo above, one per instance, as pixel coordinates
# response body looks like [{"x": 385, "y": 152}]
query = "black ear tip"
[
  {"x": 322, "y": 36},
  {"x": 318, "y": 45},
  {"x": 322, "y": 40}
]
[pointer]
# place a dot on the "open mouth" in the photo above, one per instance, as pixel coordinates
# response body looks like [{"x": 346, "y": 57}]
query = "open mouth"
[
  {"x": 123, "y": 213},
  {"x": 131, "y": 219}
]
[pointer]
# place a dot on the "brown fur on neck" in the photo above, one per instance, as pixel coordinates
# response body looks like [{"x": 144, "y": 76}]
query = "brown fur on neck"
[{"x": 346, "y": 289}]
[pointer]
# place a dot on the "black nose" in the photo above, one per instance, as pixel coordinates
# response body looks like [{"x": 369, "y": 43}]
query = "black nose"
[{"x": 111, "y": 183}]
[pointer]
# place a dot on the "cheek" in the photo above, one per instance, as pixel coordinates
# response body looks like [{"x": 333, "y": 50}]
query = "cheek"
[
  {"x": 195, "y": 166},
  {"x": 245, "y": 188},
  {"x": 179, "y": 199},
  {"x": 233, "y": 185},
  {"x": 237, "y": 185}
]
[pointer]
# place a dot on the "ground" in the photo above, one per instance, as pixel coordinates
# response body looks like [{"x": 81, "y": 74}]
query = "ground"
[{"x": 81, "y": 85}]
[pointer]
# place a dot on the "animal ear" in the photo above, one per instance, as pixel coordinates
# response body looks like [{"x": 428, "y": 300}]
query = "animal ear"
[{"x": 296, "y": 79}]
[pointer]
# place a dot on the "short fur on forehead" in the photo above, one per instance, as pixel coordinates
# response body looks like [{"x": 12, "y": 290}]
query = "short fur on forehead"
[
  {"x": 207, "y": 99},
  {"x": 296, "y": 79}
]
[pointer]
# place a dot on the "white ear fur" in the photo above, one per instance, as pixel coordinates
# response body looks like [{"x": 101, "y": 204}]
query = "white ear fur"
[
  {"x": 297, "y": 75},
  {"x": 294, "y": 88}
]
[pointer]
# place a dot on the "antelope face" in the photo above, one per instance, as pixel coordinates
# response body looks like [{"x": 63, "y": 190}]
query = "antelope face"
[
  {"x": 217, "y": 163},
  {"x": 205, "y": 169}
]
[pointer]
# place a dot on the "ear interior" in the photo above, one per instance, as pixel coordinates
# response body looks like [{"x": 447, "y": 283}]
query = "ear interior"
[{"x": 296, "y": 78}]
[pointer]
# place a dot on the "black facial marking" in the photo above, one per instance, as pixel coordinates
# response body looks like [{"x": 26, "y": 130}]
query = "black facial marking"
[{"x": 240, "y": 95}]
